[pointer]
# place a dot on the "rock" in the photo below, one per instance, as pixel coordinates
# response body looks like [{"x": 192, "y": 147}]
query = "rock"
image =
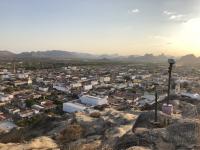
[
  {"x": 118, "y": 118},
  {"x": 184, "y": 134},
  {"x": 138, "y": 148},
  {"x": 44, "y": 126},
  {"x": 90, "y": 143},
  {"x": 146, "y": 119},
  {"x": 71, "y": 133},
  {"x": 90, "y": 125},
  {"x": 41, "y": 143}
]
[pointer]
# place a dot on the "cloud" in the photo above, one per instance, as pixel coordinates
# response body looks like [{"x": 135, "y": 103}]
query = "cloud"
[
  {"x": 159, "y": 37},
  {"x": 168, "y": 12},
  {"x": 174, "y": 16},
  {"x": 179, "y": 17},
  {"x": 134, "y": 11}
]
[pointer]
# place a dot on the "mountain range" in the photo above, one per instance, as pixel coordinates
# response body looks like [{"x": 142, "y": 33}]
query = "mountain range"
[{"x": 64, "y": 55}]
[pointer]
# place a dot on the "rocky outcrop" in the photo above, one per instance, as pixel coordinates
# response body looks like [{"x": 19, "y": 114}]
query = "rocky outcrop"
[
  {"x": 180, "y": 134},
  {"x": 41, "y": 143}
]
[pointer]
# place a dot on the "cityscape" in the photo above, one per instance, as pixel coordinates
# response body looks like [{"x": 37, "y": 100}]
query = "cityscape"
[
  {"x": 100, "y": 75},
  {"x": 98, "y": 102}
]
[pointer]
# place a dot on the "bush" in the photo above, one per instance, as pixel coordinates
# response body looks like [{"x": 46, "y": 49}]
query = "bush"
[
  {"x": 95, "y": 114},
  {"x": 71, "y": 133}
]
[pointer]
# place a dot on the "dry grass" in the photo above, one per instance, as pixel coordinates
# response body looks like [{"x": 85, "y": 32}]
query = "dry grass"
[
  {"x": 95, "y": 115},
  {"x": 71, "y": 133}
]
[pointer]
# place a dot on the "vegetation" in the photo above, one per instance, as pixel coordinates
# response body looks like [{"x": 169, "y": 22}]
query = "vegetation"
[
  {"x": 30, "y": 102},
  {"x": 95, "y": 114},
  {"x": 71, "y": 133},
  {"x": 28, "y": 122}
]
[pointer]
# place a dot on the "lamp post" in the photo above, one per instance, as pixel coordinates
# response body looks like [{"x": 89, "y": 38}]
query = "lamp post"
[
  {"x": 168, "y": 108},
  {"x": 171, "y": 63}
]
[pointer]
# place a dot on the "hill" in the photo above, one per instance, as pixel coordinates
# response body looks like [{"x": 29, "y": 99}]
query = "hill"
[
  {"x": 189, "y": 59},
  {"x": 6, "y": 55}
]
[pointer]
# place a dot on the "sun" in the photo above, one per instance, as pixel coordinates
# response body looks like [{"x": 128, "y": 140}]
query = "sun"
[{"x": 190, "y": 35}]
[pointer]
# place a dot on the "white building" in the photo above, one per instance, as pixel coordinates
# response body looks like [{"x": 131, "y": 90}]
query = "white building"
[
  {"x": 4, "y": 98},
  {"x": 43, "y": 89},
  {"x": 38, "y": 79},
  {"x": 190, "y": 95},
  {"x": 22, "y": 75},
  {"x": 73, "y": 107},
  {"x": 93, "y": 101},
  {"x": 94, "y": 83},
  {"x": 19, "y": 83},
  {"x": 87, "y": 87},
  {"x": 76, "y": 85},
  {"x": 105, "y": 79},
  {"x": 121, "y": 86},
  {"x": 83, "y": 79},
  {"x": 5, "y": 76},
  {"x": 60, "y": 88}
]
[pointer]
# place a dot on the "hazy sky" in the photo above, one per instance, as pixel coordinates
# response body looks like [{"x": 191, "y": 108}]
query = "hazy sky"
[{"x": 101, "y": 26}]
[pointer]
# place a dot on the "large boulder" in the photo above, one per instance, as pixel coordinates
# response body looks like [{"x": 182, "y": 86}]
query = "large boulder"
[
  {"x": 184, "y": 134},
  {"x": 90, "y": 125},
  {"x": 146, "y": 119}
]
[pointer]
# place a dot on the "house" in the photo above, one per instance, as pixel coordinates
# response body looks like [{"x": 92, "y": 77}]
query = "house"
[
  {"x": 43, "y": 89},
  {"x": 190, "y": 95},
  {"x": 87, "y": 87},
  {"x": 6, "y": 98},
  {"x": 19, "y": 83},
  {"x": 26, "y": 114},
  {"x": 38, "y": 79},
  {"x": 105, "y": 79},
  {"x": 94, "y": 83},
  {"x": 22, "y": 75},
  {"x": 76, "y": 85},
  {"x": 5, "y": 76},
  {"x": 48, "y": 105},
  {"x": 37, "y": 107},
  {"x": 93, "y": 101},
  {"x": 73, "y": 107},
  {"x": 61, "y": 87}
]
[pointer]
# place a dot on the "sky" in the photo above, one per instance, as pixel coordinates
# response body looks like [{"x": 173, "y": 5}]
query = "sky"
[{"x": 124, "y": 27}]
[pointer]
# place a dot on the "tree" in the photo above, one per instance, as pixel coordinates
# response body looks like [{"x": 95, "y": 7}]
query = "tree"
[{"x": 30, "y": 102}]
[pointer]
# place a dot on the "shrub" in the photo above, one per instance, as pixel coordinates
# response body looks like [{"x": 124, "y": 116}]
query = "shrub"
[
  {"x": 71, "y": 133},
  {"x": 95, "y": 114}
]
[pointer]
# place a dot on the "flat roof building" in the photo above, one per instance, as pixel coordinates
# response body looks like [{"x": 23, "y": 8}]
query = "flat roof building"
[
  {"x": 73, "y": 107},
  {"x": 93, "y": 101}
]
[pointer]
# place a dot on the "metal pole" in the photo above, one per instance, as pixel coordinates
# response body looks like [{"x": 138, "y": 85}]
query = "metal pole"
[
  {"x": 156, "y": 107},
  {"x": 169, "y": 83}
]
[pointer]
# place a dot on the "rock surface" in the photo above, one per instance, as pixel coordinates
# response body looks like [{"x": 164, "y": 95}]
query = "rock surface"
[{"x": 41, "y": 143}]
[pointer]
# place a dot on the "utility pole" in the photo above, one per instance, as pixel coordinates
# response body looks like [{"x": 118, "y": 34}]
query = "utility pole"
[
  {"x": 168, "y": 108},
  {"x": 156, "y": 106},
  {"x": 171, "y": 63}
]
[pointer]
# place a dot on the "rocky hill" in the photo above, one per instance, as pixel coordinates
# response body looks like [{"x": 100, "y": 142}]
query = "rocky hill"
[
  {"x": 6, "y": 55},
  {"x": 111, "y": 129},
  {"x": 65, "y": 55},
  {"x": 189, "y": 59}
]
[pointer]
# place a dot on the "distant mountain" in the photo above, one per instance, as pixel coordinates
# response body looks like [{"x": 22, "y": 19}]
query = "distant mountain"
[
  {"x": 55, "y": 54},
  {"x": 189, "y": 59},
  {"x": 6, "y": 55},
  {"x": 148, "y": 58},
  {"x": 64, "y": 55}
]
